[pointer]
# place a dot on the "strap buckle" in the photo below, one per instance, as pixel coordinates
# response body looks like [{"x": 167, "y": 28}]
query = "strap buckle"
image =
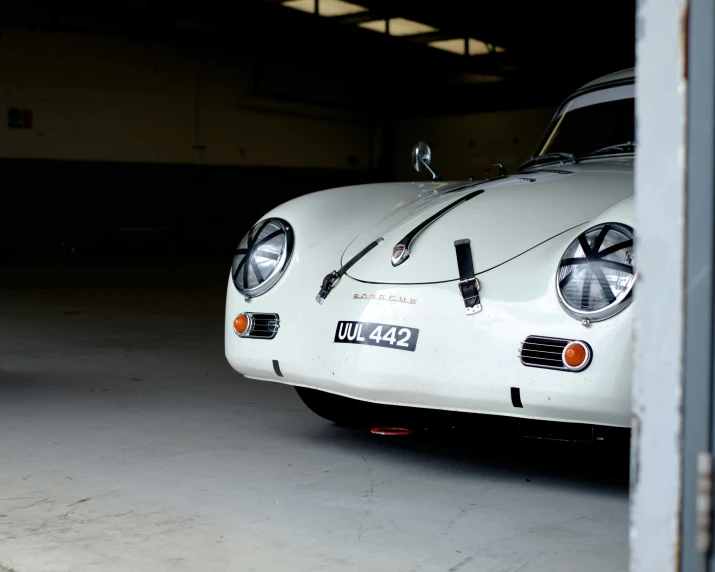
[
  {"x": 472, "y": 305},
  {"x": 333, "y": 280},
  {"x": 468, "y": 287},
  {"x": 477, "y": 286},
  {"x": 330, "y": 281}
]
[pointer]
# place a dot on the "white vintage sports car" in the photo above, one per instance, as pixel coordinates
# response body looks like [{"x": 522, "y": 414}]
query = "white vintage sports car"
[{"x": 508, "y": 297}]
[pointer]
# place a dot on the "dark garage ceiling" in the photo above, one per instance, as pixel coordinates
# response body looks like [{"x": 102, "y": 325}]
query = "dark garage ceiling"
[{"x": 549, "y": 48}]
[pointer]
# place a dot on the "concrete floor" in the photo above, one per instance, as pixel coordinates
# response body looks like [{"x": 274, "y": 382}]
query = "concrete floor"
[{"x": 129, "y": 444}]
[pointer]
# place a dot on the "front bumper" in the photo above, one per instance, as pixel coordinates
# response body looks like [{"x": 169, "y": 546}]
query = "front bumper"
[{"x": 462, "y": 362}]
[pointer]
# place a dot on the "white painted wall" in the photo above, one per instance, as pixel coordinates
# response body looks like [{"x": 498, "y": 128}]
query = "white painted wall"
[
  {"x": 467, "y": 144},
  {"x": 111, "y": 99}
]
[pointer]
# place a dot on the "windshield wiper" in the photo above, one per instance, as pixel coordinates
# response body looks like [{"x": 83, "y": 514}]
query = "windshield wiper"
[
  {"x": 628, "y": 145},
  {"x": 548, "y": 157}
]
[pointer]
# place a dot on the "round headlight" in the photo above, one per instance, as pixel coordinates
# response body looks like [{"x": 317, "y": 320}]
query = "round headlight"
[
  {"x": 262, "y": 257},
  {"x": 595, "y": 277}
]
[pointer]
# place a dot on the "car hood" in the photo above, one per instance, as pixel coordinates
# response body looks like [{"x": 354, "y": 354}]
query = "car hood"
[{"x": 510, "y": 217}]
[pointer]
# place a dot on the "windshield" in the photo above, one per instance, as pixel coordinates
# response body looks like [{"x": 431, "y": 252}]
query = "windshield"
[{"x": 595, "y": 123}]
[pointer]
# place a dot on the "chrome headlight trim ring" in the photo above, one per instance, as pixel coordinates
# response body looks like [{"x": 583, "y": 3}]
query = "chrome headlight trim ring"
[
  {"x": 252, "y": 247},
  {"x": 593, "y": 257}
]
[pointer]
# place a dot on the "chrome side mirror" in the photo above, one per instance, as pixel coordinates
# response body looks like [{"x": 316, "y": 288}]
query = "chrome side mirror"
[{"x": 421, "y": 158}]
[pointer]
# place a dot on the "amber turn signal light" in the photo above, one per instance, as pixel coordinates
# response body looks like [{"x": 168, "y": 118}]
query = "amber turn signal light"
[
  {"x": 240, "y": 324},
  {"x": 576, "y": 356}
]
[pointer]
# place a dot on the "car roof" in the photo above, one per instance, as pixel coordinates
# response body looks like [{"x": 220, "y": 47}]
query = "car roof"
[{"x": 623, "y": 76}]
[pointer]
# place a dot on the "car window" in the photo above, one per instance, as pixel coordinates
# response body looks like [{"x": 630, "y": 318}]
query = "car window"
[{"x": 592, "y": 122}]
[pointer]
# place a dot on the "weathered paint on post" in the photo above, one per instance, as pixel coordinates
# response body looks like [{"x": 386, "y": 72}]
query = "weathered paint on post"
[{"x": 660, "y": 205}]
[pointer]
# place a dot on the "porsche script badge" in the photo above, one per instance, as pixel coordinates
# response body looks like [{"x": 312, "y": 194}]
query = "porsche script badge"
[{"x": 384, "y": 298}]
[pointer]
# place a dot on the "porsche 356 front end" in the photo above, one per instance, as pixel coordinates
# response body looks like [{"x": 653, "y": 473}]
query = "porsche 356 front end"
[{"x": 507, "y": 297}]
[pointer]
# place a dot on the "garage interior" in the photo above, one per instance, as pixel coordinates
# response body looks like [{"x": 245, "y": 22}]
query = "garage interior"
[{"x": 143, "y": 139}]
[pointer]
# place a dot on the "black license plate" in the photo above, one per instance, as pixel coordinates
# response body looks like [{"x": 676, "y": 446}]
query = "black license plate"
[{"x": 380, "y": 335}]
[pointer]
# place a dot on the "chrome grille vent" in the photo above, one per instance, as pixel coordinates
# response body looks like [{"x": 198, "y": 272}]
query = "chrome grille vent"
[
  {"x": 538, "y": 351},
  {"x": 263, "y": 326}
]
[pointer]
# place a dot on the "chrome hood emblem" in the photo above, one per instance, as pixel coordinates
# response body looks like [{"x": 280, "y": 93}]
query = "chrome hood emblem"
[
  {"x": 399, "y": 254},
  {"x": 401, "y": 251}
]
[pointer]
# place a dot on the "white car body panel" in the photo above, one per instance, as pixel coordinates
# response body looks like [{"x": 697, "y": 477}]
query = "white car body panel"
[
  {"x": 500, "y": 222},
  {"x": 519, "y": 228},
  {"x": 461, "y": 363}
]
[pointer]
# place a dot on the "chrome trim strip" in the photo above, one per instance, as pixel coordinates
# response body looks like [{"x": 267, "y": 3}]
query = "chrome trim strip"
[
  {"x": 541, "y": 344},
  {"x": 542, "y": 351},
  {"x": 401, "y": 250}
]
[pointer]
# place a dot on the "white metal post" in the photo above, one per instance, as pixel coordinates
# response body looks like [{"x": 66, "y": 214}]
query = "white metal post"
[{"x": 660, "y": 203}]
